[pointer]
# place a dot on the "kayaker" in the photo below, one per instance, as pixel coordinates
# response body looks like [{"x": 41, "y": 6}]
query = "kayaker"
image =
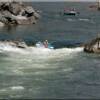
[{"x": 45, "y": 43}]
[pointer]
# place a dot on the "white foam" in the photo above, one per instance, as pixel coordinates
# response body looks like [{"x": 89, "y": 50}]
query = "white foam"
[
  {"x": 8, "y": 47},
  {"x": 12, "y": 89},
  {"x": 70, "y": 19},
  {"x": 65, "y": 52},
  {"x": 84, "y": 19},
  {"x": 43, "y": 52},
  {"x": 17, "y": 88},
  {"x": 69, "y": 50},
  {"x": 36, "y": 59},
  {"x": 77, "y": 49}
]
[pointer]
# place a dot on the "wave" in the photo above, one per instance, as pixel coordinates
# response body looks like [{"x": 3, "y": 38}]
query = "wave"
[
  {"x": 84, "y": 19},
  {"x": 11, "y": 91},
  {"x": 71, "y": 20},
  {"x": 79, "y": 19},
  {"x": 33, "y": 60},
  {"x": 7, "y": 47},
  {"x": 63, "y": 52},
  {"x": 39, "y": 61},
  {"x": 17, "y": 88}
]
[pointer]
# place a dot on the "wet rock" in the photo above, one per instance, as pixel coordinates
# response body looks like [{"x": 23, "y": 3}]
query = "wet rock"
[
  {"x": 17, "y": 13},
  {"x": 17, "y": 44},
  {"x": 1, "y": 24},
  {"x": 93, "y": 46}
]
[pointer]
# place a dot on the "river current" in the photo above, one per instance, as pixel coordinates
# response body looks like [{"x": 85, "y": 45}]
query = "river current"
[{"x": 63, "y": 72}]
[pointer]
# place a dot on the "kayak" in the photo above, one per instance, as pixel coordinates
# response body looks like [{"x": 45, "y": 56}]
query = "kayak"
[{"x": 41, "y": 45}]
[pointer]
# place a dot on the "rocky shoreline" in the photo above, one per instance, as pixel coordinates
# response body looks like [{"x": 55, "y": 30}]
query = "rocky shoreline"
[{"x": 17, "y": 13}]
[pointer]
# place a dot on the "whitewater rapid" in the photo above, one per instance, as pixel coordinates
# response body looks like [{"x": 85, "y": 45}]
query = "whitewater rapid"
[
  {"x": 30, "y": 60},
  {"x": 6, "y": 47}
]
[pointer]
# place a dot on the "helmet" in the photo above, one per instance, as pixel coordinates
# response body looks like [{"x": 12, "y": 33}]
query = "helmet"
[{"x": 46, "y": 40}]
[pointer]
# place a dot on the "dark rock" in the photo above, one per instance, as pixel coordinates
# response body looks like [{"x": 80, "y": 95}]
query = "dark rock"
[
  {"x": 4, "y": 6},
  {"x": 93, "y": 46}
]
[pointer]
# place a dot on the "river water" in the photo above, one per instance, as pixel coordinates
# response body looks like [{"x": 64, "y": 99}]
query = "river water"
[{"x": 65, "y": 72}]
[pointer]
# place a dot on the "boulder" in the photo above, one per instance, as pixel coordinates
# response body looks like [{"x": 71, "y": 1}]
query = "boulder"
[
  {"x": 15, "y": 8},
  {"x": 93, "y": 46},
  {"x": 7, "y": 18},
  {"x": 17, "y": 13}
]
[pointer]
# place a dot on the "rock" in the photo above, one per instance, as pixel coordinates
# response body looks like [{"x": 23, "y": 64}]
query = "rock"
[
  {"x": 93, "y": 46},
  {"x": 29, "y": 9},
  {"x": 7, "y": 18},
  {"x": 23, "y": 20},
  {"x": 15, "y": 8},
  {"x": 17, "y": 13},
  {"x": 4, "y": 6},
  {"x": 19, "y": 44},
  {"x": 1, "y": 24},
  {"x": 36, "y": 15}
]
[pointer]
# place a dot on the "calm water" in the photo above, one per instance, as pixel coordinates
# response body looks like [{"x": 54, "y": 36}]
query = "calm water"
[{"x": 66, "y": 72}]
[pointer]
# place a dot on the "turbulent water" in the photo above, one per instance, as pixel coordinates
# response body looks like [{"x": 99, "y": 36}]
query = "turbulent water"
[{"x": 63, "y": 72}]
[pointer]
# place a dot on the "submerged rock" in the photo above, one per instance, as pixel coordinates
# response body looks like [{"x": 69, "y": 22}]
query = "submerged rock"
[
  {"x": 93, "y": 46},
  {"x": 17, "y": 13},
  {"x": 19, "y": 44}
]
